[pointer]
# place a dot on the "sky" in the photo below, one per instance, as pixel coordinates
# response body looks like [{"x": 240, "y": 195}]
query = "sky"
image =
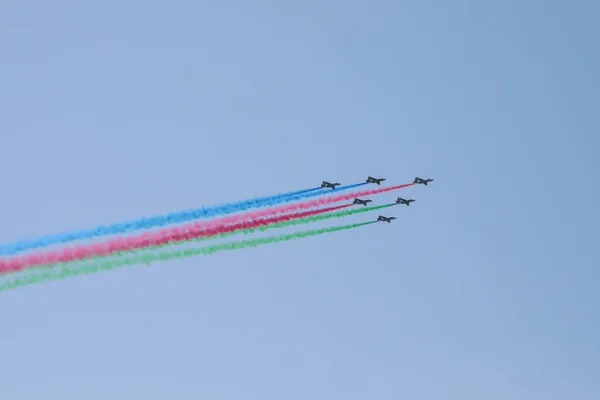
[{"x": 486, "y": 287}]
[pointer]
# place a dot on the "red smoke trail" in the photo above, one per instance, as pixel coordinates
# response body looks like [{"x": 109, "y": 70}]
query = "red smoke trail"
[{"x": 144, "y": 240}]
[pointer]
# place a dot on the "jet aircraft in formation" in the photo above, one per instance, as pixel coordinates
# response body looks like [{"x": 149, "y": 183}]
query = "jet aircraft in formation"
[
  {"x": 360, "y": 201},
  {"x": 326, "y": 184},
  {"x": 422, "y": 181},
  {"x": 378, "y": 181},
  {"x": 404, "y": 201}
]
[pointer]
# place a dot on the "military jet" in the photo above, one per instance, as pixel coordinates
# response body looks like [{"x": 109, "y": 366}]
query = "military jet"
[
  {"x": 363, "y": 202},
  {"x": 386, "y": 219},
  {"x": 378, "y": 181},
  {"x": 422, "y": 181},
  {"x": 326, "y": 184},
  {"x": 404, "y": 201}
]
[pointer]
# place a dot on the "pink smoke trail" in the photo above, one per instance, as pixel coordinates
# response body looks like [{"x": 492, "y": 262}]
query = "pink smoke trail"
[{"x": 171, "y": 234}]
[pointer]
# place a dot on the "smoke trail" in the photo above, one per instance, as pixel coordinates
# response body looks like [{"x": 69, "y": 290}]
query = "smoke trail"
[
  {"x": 144, "y": 240},
  {"x": 161, "y": 220},
  {"x": 296, "y": 192},
  {"x": 297, "y": 206},
  {"x": 252, "y": 215},
  {"x": 66, "y": 271},
  {"x": 174, "y": 233},
  {"x": 241, "y": 228},
  {"x": 119, "y": 243}
]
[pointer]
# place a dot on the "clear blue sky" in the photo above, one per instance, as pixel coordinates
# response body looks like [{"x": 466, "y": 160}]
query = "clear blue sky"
[{"x": 486, "y": 288}]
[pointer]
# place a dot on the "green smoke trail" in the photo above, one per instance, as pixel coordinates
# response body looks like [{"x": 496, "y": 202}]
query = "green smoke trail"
[
  {"x": 262, "y": 228},
  {"x": 74, "y": 270}
]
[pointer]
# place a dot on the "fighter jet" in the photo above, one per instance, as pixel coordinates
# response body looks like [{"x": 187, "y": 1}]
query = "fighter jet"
[
  {"x": 422, "y": 181},
  {"x": 386, "y": 219},
  {"x": 404, "y": 201},
  {"x": 326, "y": 184},
  {"x": 363, "y": 202},
  {"x": 378, "y": 181}
]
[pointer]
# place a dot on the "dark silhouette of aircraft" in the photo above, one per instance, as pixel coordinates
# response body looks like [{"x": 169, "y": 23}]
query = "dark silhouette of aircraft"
[
  {"x": 386, "y": 219},
  {"x": 326, "y": 184},
  {"x": 404, "y": 201},
  {"x": 378, "y": 181},
  {"x": 422, "y": 181},
  {"x": 363, "y": 202}
]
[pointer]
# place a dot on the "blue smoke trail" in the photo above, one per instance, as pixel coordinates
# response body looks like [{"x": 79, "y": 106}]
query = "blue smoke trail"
[
  {"x": 167, "y": 219},
  {"x": 290, "y": 193}
]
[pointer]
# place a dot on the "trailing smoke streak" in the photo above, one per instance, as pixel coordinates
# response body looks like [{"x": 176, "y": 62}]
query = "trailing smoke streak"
[
  {"x": 297, "y": 192},
  {"x": 299, "y": 206},
  {"x": 237, "y": 218},
  {"x": 162, "y": 220},
  {"x": 261, "y": 225},
  {"x": 65, "y": 272},
  {"x": 119, "y": 244},
  {"x": 144, "y": 240}
]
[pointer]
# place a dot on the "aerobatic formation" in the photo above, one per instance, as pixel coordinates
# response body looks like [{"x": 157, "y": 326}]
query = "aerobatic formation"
[{"x": 26, "y": 262}]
